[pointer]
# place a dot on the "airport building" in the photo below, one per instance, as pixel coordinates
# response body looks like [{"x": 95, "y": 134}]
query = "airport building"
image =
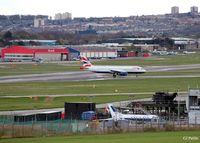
[
  {"x": 55, "y": 53},
  {"x": 20, "y": 53},
  {"x": 96, "y": 52},
  {"x": 17, "y": 53},
  {"x": 33, "y": 42},
  {"x": 181, "y": 43},
  {"x": 73, "y": 54}
]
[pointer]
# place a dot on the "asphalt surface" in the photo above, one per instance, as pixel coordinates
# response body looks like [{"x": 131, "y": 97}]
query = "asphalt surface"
[
  {"x": 61, "y": 76},
  {"x": 87, "y": 75}
]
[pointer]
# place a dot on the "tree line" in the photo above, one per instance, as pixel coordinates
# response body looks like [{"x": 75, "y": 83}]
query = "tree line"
[{"x": 64, "y": 38}]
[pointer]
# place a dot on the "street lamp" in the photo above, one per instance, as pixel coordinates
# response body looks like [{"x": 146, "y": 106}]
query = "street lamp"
[{"x": 178, "y": 105}]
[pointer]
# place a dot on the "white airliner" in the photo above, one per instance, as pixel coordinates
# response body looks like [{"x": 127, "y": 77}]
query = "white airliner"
[
  {"x": 115, "y": 70},
  {"x": 133, "y": 117}
]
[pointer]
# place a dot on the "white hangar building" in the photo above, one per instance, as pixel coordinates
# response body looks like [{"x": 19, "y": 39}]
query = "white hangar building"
[{"x": 96, "y": 52}]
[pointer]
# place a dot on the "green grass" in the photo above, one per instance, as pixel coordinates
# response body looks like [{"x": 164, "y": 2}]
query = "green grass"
[
  {"x": 32, "y": 68},
  {"x": 178, "y": 72},
  {"x": 85, "y": 87},
  {"x": 50, "y": 102},
  {"x": 92, "y": 87},
  {"x": 156, "y": 61},
  {"x": 161, "y": 137}
]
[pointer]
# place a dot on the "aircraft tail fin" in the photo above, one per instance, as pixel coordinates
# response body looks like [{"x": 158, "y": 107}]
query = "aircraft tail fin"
[
  {"x": 112, "y": 110},
  {"x": 85, "y": 62}
]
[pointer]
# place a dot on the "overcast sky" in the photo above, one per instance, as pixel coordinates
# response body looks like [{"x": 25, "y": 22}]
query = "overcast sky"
[{"x": 94, "y": 8}]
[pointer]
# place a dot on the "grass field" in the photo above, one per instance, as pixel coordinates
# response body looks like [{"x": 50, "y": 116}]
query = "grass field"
[
  {"x": 156, "y": 61},
  {"x": 85, "y": 87},
  {"x": 92, "y": 87},
  {"x": 50, "y": 102},
  {"x": 178, "y": 72},
  {"x": 32, "y": 68},
  {"x": 158, "y": 137}
]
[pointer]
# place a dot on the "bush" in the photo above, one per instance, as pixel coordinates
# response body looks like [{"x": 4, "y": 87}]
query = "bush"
[{"x": 169, "y": 127}]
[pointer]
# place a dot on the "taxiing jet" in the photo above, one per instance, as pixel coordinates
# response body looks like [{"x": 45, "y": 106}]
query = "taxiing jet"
[
  {"x": 133, "y": 117},
  {"x": 115, "y": 70}
]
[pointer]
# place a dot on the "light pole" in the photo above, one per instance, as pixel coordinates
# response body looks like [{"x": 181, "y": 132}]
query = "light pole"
[{"x": 178, "y": 105}]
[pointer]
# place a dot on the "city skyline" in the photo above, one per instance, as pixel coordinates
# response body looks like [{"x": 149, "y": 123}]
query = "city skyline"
[{"x": 94, "y": 8}]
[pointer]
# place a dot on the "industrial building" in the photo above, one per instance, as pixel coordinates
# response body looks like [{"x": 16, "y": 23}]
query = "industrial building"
[
  {"x": 96, "y": 52},
  {"x": 193, "y": 106},
  {"x": 20, "y": 53},
  {"x": 33, "y": 42},
  {"x": 17, "y": 53},
  {"x": 73, "y": 54},
  {"x": 55, "y": 53},
  {"x": 51, "y": 53},
  {"x": 163, "y": 104},
  {"x": 181, "y": 43}
]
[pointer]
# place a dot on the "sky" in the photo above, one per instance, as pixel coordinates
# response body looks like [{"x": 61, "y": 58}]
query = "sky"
[{"x": 94, "y": 8}]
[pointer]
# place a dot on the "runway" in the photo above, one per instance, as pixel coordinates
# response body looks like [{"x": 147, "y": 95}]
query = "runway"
[
  {"x": 61, "y": 76},
  {"x": 87, "y": 75}
]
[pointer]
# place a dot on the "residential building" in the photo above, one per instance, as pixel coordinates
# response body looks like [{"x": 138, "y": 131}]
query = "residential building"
[
  {"x": 38, "y": 22},
  {"x": 175, "y": 10},
  {"x": 63, "y": 16},
  {"x": 194, "y": 9}
]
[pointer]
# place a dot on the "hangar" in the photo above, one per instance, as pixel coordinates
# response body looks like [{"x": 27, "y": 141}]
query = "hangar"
[
  {"x": 21, "y": 53},
  {"x": 51, "y": 53},
  {"x": 17, "y": 53},
  {"x": 96, "y": 52}
]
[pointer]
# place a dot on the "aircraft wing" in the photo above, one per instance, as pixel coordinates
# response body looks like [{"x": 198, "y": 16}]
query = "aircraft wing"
[
  {"x": 119, "y": 72},
  {"x": 107, "y": 119}
]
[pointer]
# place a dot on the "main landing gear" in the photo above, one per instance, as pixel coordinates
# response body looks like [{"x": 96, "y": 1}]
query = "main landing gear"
[{"x": 114, "y": 75}]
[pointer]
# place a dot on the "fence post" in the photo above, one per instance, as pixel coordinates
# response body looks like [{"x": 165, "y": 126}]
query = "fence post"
[
  {"x": 77, "y": 126},
  {"x": 143, "y": 125},
  {"x": 188, "y": 123},
  {"x": 128, "y": 125},
  {"x": 136, "y": 125},
  {"x": 103, "y": 126},
  {"x": 12, "y": 129}
]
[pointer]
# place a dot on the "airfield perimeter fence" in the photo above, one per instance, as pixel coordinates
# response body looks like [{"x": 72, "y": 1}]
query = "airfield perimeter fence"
[{"x": 11, "y": 129}]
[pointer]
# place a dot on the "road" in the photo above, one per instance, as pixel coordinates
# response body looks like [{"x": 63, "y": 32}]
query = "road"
[{"x": 86, "y": 75}]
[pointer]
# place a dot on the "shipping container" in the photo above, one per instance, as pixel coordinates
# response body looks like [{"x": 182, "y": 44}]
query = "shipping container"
[{"x": 74, "y": 110}]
